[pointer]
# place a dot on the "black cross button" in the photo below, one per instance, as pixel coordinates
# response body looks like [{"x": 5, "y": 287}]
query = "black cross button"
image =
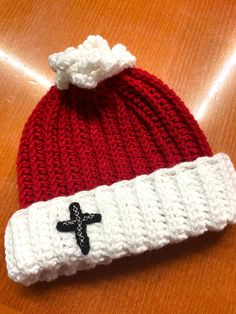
[{"x": 78, "y": 223}]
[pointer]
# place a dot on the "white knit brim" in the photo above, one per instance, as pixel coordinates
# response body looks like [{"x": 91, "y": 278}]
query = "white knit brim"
[{"x": 145, "y": 213}]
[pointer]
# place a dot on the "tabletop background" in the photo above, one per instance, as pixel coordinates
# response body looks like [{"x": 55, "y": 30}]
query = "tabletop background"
[{"x": 191, "y": 45}]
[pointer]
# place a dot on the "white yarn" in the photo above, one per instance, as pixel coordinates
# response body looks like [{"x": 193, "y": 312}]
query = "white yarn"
[
  {"x": 147, "y": 212},
  {"x": 92, "y": 62}
]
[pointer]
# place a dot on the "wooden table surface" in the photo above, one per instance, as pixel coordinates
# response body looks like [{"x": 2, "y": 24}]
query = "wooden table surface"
[{"x": 191, "y": 45}]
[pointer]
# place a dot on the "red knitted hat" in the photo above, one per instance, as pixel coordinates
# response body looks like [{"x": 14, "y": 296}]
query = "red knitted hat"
[{"x": 111, "y": 163}]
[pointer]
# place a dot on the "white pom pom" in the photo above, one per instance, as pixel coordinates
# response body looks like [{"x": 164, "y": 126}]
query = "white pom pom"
[{"x": 92, "y": 62}]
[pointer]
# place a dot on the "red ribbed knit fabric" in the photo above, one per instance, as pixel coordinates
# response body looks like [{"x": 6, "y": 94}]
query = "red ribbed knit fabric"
[{"x": 77, "y": 139}]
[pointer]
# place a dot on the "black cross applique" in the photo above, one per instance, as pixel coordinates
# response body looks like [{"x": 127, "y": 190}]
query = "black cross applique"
[{"x": 78, "y": 223}]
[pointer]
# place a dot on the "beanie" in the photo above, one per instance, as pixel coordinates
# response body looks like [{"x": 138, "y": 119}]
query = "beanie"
[{"x": 111, "y": 163}]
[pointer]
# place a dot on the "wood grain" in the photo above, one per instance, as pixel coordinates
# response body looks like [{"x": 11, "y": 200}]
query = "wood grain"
[{"x": 191, "y": 46}]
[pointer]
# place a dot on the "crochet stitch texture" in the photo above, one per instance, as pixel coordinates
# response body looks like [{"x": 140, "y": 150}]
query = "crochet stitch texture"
[
  {"x": 147, "y": 212},
  {"x": 77, "y": 139},
  {"x": 111, "y": 163}
]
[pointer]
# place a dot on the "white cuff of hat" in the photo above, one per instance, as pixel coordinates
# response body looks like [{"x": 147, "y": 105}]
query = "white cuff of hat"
[{"x": 147, "y": 212}]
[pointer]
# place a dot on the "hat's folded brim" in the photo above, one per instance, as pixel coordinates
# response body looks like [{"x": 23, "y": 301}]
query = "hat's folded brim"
[{"x": 147, "y": 212}]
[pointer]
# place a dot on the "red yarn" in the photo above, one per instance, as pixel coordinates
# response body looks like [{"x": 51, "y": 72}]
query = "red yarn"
[{"x": 77, "y": 139}]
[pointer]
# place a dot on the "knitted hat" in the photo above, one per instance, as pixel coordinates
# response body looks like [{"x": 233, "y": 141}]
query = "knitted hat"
[{"x": 110, "y": 163}]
